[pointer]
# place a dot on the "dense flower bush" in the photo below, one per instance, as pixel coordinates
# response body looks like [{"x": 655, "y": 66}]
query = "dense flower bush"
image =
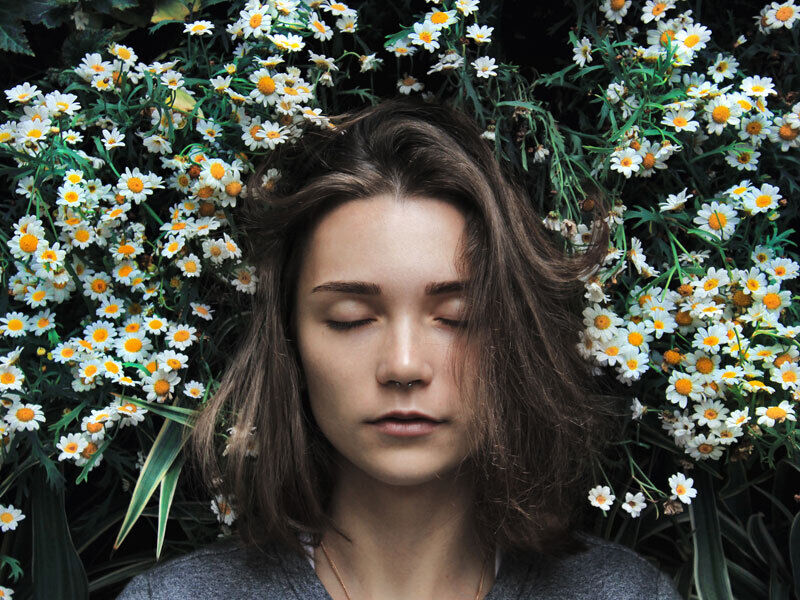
[{"x": 121, "y": 260}]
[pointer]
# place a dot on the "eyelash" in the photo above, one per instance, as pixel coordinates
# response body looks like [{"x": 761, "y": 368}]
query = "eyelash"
[{"x": 345, "y": 325}]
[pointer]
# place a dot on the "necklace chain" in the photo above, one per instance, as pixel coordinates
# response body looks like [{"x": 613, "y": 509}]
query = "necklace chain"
[{"x": 346, "y": 593}]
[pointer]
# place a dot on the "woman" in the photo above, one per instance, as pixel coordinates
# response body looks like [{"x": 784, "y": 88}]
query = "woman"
[{"x": 411, "y": 415}]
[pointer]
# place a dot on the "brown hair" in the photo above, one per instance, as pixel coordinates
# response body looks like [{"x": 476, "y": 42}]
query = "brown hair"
[{"x": 538, "y": 419}]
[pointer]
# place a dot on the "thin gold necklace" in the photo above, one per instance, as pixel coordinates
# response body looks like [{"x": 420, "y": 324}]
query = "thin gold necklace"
[{"x": 346, "y": 593}]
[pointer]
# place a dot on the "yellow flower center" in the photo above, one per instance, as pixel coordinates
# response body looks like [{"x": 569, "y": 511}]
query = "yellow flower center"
[
  {"x": 16, "y": 325},
  {"x": 784, "y": 13},
  {"x": 705, "y": 365},
  {"x": 680, "y": 122},
  {"x": 659, "y": 8},
  {"x": 181, "y": 335},
  {"x": 753, "y": 128},
  {"x": 25, "y": 414},
  {"x": 772, "y": 301},
  {"x": 705, "y": 448},
  {"x": 255, "y": 20},
  {"x": 717, "y": 221},
  {"x": 616, "y": 5},
  {"x": 6, "y": 517},
  {"x": 787, "y": 133},
  {"x": 439, "y": 17},
  {"x": 71, "y": 448},
  {"x": 776, "y": 413},
  {"x": 649, "y": 160},
  {"x": 626, "y": 162},
  {"x": 426, "y": 36},
  {"x": 691, "y": 40},
  {"x": 161, "y": 387},
  {"x": 133, "y": 344},
  {"x": 135, "y": 185},
  {"x": 763, "y": 200},
  {"x": 683, "y": 386},
  {"x": 266, "y": 85},
  {"x": 721, "y": 114},
  {"x": 602, "y": 322},
  {"x": 28, "y": 242}
]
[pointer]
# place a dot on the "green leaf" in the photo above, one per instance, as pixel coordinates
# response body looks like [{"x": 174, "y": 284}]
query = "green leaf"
[
  {"x": 179, "y": 414},
  {"x": 165, "y": 449},
  {"x": 168, "y": 485},
  {"x": 12, "y": 35},
  {"x": 710, "y": 569},
  {"x": 57, "y": 570}
]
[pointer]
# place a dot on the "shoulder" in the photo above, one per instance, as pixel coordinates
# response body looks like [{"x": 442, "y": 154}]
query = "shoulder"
[
  {"x": 603, "y": 570},
  {"x": 224, "y": 567}
]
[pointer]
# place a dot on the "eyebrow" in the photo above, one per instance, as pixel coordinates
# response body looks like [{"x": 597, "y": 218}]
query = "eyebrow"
[{"x": 434, "y": 288}]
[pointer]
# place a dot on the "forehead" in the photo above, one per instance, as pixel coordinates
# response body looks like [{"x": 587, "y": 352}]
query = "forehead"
[{"x": 383, "y": 239}]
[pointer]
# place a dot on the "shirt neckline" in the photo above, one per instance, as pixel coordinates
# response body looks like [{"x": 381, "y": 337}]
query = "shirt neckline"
[{"x": 509, "y": 578}]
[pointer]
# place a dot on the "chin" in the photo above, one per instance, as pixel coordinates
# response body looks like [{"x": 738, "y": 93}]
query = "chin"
[{"x": 404, "y": 470}]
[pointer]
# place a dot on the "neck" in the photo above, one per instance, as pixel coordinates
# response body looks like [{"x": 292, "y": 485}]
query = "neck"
[{"x": 407, "y": 541}]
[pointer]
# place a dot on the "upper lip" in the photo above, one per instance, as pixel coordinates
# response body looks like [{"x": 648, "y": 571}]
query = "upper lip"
[{"x": 407, "y": 414}]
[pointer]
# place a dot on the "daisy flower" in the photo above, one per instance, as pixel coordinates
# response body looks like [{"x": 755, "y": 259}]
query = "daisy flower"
[
  {"x": 763, "y": 199},
  {"x": 626, "y": 161},
  {"x": 113, "y": 138},
  {"x": 683, "y": 387},
  {"x": 204, "y": 311},
  {"x": 467, "y": 7},
  {"x": 485, "y": 67},
  {"x": 754, "y": 128},
  {"x": 601, "y": 497},
  {"x": 222, "y": 508},
  {"x": 402, "y": 47},
  {"x": 675, "y": 201},
  {"x": 768, "y": 415},
  {"x": 198, "y": 28},
  {"x": 426, "y": 35},
  {"x": 256, "y": 22},
  {"x": 14, "y": 324},
  {"x": 71, "y": 446},
  {"x": 189, "y": 265},
  {"x": 482, "y": 34},
  {"x": 22, "y": 93},
  {"x": 160, "y": 384},
  {"x": 25, "y": 416},
  {"x": 681, "y": 487},
  {"x": 781, "y": 268},
  {"x": 194, "y": 389},
  {"x": 409, "y": 84},
  {"x": 319, "y": 28},
  {"x": 784, "y": 133},
  {"x": 781, "y": 14},
  {"x": 634, "y": 504},
  {"x": 9, "y": 518},
  {"x": 694, "y": 37},
  {"x": 786, "y": 376},
  {"x": 582, "y": 52},
  {"x": 601, "y": 323},
  {"x": 743, "y": 160},
  {"x": 614, "y": 10},
  {"x": 757, "y": 86},
  {"x": 130, "y": 414},
  {"x": 680, "y": 119},
  {"x": 181, "y": 336},
  {"x": 244, "y": 279},
  {"x": 133, "y": 346},
  {"x": 169, "y": 360},
  {"x": 717, "y": 218},
  {"x": 724, "y": 67},
  {"x": 441, "y": 19},
  {"x": 721, "y": 111}
]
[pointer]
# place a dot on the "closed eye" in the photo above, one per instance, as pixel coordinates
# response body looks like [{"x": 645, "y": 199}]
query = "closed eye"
[{"x": 344, "y": 325}]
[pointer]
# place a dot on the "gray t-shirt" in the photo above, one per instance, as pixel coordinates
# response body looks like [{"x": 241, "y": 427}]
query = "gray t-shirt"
[{"x": 228, "y": 570}]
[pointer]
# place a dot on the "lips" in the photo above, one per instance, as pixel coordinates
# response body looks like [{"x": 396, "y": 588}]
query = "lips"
[{"x": 398, "y": 416}]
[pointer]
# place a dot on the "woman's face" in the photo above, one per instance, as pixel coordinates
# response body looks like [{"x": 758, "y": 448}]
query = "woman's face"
[{"x": 398, "y": 250}]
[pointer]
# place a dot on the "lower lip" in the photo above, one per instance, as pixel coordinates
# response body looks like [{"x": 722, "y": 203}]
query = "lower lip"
[{"x": 406, "y": 428}]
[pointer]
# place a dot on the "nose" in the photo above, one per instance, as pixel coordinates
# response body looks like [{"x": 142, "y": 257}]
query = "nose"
[{"x": 403, "y": 355}]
